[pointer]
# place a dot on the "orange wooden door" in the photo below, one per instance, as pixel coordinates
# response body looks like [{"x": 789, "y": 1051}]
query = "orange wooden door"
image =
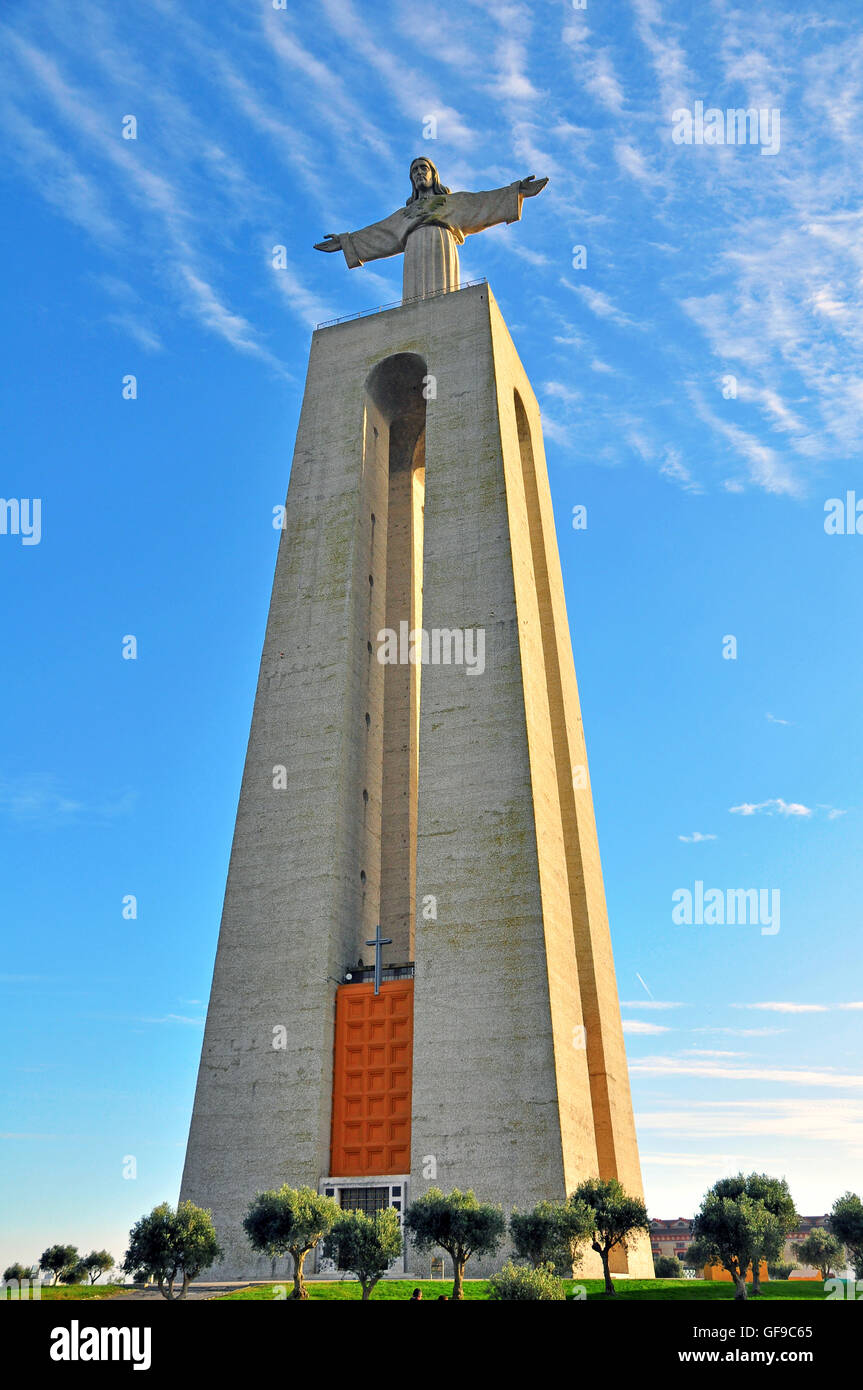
[{"x": 372, "y": 1063}]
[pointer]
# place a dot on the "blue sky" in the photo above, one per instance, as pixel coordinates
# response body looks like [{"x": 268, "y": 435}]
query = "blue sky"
[{"x": 153, "y": 257}]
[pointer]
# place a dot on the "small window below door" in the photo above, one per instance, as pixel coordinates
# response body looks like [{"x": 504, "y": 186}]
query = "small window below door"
[{"x": 365, "y": 1199}]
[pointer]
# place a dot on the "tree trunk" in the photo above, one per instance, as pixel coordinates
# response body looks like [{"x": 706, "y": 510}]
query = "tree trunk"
[
  {"x": 609, "y": 1283},
  {"x": 300, "y": 1290},
  {"x": 740, "y": 1294},
  {"x": 458, "y": 1264},
  {"x": 367, "y": 1292},
  {"x": 756, "y": 1278},
  {"x": 182, "y": 1293}
]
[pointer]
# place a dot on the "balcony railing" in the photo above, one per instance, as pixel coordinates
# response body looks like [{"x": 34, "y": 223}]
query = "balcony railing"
[
  {"x": 400, "y": 303},
  {"x": 358, "y": 975}
]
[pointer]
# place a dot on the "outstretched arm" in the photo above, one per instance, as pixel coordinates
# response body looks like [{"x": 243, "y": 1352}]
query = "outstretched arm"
[
  {"x": 369, "y": 244},
  {"x": 476, "y": 211}
]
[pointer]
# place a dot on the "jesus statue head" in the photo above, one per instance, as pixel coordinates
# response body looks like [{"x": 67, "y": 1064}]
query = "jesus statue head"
[{"x": 425, "y": 180}]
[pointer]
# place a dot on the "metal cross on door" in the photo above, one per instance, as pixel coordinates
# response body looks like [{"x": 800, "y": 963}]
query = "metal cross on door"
[{"x": 378, "y": 942}]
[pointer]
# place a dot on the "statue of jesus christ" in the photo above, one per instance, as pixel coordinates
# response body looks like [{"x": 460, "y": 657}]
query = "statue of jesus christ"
[{"x": 430, "y": 228}]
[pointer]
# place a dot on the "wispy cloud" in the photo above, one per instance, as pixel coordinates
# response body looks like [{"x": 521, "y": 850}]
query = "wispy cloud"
[
  {"x": 766, "y": 468},
  {"x": 58, "y": 178},
  {"x": 601, "y": 305},
  {"x": 709, "y": 1052},
  {"x": 789, "y": 1007},
  {"x": 562, "y": 392},
  {"x": 775, "y": 806},
  {"x": 38, "y": 800},
  {"x": 139, "y": 332},
  {"x": 593, "y": 66},
  {"x": 713, "y": 1070},
  {"x": 635, "y": 164},
  {"x": 741, "y": 1032},
  {"x": 671, "y": 466},
  {"x": 155, "y": 201},
  {"x": 175, "y": 1018},
  {"x": 349, "y": 117},
  {"x": 651, "y": 1004},
  {"x": 666, "y": 54},
  {"x": 820, "y": 1120},
  {"x": 302, "y": 300},
  {"x": 410, "y": 86},
  {"x": 202, "y": 300},
  {"x": 707, "y": 1162}
]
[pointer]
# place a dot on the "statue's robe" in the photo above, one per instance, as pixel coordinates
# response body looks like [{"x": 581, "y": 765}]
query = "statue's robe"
[{"x": 429, "y": 232}]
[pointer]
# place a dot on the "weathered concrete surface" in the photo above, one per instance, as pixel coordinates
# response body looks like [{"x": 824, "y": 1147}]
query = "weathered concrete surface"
[{"x": 507, "y": 1098}]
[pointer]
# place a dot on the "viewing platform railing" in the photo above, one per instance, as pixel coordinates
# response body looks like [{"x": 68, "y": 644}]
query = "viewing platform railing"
[{"x": 399, "y": 304}]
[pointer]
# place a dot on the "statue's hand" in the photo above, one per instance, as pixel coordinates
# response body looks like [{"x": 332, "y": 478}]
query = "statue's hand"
[
  {"x": 529, "y": 187},
  {"x": 332, "y": 243}
]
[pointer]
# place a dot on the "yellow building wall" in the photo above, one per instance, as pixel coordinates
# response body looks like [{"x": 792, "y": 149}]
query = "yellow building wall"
[{"x": 721, "y": 1276}]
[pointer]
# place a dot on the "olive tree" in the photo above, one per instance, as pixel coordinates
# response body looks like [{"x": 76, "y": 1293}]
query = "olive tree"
[
  {"x": 365, "y": 1245},
  {"x": 551, "y": 1233},
  {"x": 459, "y": 1224},
  {"x": 774, "y": 1195},
  {"x": 615, "y": 1218},
  {"x": 97, "y": 1263},
  {"x": 166, "y": 1245},
  {"x": 58, "y": 1258},
  {"x": 697, "y": 1256},
  {"x": 846, "y": 1223},
  {"x": 290, "y": 1221},
  {"x": 822, "y": 1250},
  {"x": 730, "y": 1231}
]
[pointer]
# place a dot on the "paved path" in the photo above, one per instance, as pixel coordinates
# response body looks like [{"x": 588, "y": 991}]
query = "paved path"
[{"x": 195, "y": 1291}]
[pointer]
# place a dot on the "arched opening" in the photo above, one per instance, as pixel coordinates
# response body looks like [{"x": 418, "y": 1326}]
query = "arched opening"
[{"x": 395, "y": 436}]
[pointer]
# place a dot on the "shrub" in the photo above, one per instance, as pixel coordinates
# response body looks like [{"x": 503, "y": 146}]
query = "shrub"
[{"x": 527, "y": 1284}]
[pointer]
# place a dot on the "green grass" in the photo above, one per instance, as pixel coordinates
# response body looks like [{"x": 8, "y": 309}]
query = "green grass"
[
  {"x": 629, "y": 1290},
  {"x": 702, "y": 1291},
  {"x": 389, "y": 1289},
  {"x": 82, "y": 1291}
]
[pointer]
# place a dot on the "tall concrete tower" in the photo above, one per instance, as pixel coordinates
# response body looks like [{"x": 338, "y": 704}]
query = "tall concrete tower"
[{"x": 416, "y": 760}]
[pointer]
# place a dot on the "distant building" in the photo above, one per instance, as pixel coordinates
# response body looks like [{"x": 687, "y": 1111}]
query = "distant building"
[
  {"x": 801, "y": 1231},
  {"x": 674, "y": 1236},
  {"x": 669, "y": 1237}
]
